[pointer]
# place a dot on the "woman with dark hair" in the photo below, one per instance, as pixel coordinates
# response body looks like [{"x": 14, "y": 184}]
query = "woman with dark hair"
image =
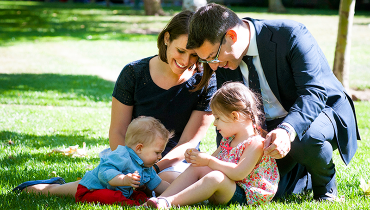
[{"x": 163, "y": 86}]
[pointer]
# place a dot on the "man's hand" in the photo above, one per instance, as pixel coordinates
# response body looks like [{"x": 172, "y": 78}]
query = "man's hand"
[
  {"x": 132, "y": 180},
  {"x": 197, "y": 158},
  {"x": 277, "y": 143}
]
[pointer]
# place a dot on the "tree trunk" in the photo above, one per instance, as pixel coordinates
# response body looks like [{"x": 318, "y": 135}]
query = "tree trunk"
[
  {"x": 137, "y": 5},
  {"x": 342, "y": 50},
  {"x": 153, "y": 7},
  {"x": 193, "y": 5},
  {"x": 276, "y": 6}
]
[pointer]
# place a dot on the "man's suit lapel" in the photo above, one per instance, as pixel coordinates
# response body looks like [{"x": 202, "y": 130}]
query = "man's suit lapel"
[{"x": 267, "y": 53}]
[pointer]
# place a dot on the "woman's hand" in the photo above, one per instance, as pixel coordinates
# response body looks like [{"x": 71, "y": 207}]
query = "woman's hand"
[{"x": 197, "y": 158}]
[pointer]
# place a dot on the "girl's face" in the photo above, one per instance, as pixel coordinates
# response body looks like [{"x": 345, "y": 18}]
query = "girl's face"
[
  {"x": 178, "y": 57},
  {"x": 226, "y": 126}
]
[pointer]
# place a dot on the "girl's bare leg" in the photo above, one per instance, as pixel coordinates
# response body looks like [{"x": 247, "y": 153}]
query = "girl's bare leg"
[
  {"x": 215, "y": 186},
  {"x": 187, "y": 178},
  {"x": 169, "y": 176},
  {"x": 68, "y": 189}
]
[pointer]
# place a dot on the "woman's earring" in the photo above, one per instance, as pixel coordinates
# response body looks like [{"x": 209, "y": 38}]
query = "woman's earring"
[{"x": 165, "y": 44}]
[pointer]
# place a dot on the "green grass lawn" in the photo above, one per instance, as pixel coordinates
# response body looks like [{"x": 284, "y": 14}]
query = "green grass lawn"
[{"x": 58, "y": 64}]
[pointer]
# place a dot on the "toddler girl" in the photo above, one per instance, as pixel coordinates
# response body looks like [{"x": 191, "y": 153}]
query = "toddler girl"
[{"x": 237, "y": 172}]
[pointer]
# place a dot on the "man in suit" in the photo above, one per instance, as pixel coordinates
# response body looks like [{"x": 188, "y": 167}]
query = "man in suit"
[{"x": 308, "y": 112}]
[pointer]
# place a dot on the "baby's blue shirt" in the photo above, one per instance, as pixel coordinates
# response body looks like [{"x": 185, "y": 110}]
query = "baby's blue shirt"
[{"x": 123, "y": 160}]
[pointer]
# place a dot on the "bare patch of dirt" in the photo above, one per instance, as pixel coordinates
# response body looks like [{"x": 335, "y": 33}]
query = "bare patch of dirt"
[{"x": 360, "y": 95}]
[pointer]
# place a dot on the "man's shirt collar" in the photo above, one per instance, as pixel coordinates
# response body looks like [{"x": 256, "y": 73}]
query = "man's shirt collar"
[{"x": 252, "y": 49}]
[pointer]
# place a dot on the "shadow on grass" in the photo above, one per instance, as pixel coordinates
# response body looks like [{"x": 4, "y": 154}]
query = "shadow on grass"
[
  {"x": 295, "y": 198},
  {"x": 17, "y": 164},
  {"x": 33, "y": 20},
  {"x": 25, "y": 21},
  {"x": 12, "y": 200},
  {"x": 42, "y": 165},
  {"x": 52, "y": 140},
  {"x": 57, "y": 87}
]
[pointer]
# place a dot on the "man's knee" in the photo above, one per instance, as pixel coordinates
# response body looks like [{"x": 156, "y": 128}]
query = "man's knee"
[
  {"x": 312, "y": 151},
  {"x": 318, "y": 143}
]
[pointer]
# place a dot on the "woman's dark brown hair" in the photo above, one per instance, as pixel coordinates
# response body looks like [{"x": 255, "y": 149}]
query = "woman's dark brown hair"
[
  {"x": 179, "y": 25},
  {"x": 207, "y": 74}
]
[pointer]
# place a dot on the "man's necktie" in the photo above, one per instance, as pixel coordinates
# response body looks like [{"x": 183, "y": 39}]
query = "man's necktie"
[{"x": 254, "y": 83}]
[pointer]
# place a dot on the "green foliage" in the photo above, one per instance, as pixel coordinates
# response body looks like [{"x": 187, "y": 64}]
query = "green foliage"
[{"x": 58, "y": 64}]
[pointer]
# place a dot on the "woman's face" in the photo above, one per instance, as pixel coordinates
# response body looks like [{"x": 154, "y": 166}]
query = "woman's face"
[{"x": 178, "y": 57}]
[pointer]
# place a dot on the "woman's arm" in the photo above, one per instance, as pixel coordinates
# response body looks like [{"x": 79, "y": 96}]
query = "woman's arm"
[
  {"x": 121, "y": 116},
  {"x": 194, "y": 131}
]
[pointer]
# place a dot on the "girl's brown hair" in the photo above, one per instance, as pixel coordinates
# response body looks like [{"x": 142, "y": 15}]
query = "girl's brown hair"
[{"x": 235, "y": 96}]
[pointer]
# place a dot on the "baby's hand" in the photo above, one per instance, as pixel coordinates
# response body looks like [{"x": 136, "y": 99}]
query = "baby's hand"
[{"x": 132, "y": 180}]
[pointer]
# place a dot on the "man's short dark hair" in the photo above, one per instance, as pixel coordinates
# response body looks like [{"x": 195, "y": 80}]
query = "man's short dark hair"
[{"x": 210, "y": 23}]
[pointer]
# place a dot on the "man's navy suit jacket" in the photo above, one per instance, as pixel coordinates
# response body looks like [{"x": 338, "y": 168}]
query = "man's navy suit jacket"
[{"x": 301, "y": 79}]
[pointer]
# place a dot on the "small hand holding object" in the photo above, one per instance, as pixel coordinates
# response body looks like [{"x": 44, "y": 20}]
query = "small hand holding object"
[
  {"x": 188, "y": 153},
  {"x": 132, "y": 180},
  {"x": 277, "y": 144},
  {"x": 197, "y": 158}
]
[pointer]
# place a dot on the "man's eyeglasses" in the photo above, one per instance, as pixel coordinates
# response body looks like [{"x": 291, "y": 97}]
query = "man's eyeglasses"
[{"x": 216, "y": 58}]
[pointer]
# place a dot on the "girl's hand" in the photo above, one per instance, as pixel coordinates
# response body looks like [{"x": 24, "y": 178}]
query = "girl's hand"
[
  {"x": 188, "y": 153},
  {"x": 197, "y": 158},
  {"x": 132, "y": 180}
]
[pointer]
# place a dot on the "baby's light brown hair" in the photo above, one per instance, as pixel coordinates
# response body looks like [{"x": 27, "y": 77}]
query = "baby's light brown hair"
[
  {"x": 145, "y": 130},
  {"x": 235, "y": 96}
]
